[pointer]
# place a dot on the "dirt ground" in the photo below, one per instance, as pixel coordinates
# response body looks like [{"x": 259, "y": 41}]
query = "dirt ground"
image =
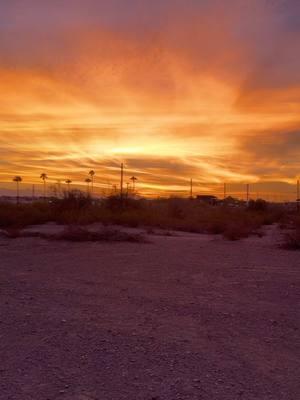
[{"x": 183, "y": 317}]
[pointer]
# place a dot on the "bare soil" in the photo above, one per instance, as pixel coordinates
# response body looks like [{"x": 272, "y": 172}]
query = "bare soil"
[{"x": 181, "y": 317}]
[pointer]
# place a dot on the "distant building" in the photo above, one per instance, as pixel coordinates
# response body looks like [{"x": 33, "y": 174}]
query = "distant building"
[
  {"x": 208, "y": 199},
  {"x": 233, "y": 202}
]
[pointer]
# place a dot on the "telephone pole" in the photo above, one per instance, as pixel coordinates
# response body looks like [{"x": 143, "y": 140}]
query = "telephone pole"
[
  {"x": 58, "y": 184},
  {"x": 247, "y": 192},
  {"x": 298, "y": 195},
  {"x": 191, "y": 188},
  {"x": 122, "y": 180},
  {"x": 225, "y": 191}
]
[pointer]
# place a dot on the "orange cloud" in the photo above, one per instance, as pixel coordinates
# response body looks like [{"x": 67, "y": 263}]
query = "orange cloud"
[{"x": 175, "y": 102}]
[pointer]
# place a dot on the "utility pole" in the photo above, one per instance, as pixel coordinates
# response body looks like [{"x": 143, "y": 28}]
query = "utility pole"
[
  {"x": 225, "y": 191},
  {"x": 108, "y": 190},
  {"x": 247, "y": 192},
  {"x": 191, "y": 188},
  {"x": 58, "y": 182},
  {"x": 122, "y": 179},
  {"x": 33, "y": 191},
  {"x": 298, "y": 195}
]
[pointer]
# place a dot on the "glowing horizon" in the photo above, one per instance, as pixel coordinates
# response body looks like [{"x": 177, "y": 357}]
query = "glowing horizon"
[{"x": 178, "y": 90}]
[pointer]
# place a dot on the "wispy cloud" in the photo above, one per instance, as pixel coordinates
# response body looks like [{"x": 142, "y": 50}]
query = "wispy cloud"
[{"x": 203, "y": 89}]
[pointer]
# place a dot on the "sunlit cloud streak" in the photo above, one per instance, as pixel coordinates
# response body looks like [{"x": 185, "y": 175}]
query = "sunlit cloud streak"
[{"x": 208, "y": 90}]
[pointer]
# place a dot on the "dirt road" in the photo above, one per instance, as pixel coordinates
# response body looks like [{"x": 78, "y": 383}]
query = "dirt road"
[{"x": 187, "y": 317}]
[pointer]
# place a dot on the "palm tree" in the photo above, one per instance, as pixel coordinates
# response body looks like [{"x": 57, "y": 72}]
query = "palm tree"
[
  {"x": 68, "y": 182},
  {"x": 44, "y": 177},
  {"x": 92, "y": 174},
  {"x": 133, "y": 179},
  {"x": 88, "y": 181},
  {"x": 58, "y": 184},
  {"x": 18, "y": 179}
]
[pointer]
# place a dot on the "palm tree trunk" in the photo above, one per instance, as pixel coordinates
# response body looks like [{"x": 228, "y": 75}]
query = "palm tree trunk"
[{"x": 18, "y": 196}]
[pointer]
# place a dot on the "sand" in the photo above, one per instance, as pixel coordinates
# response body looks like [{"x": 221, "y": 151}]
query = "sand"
[{"x": 181, "y": 317}]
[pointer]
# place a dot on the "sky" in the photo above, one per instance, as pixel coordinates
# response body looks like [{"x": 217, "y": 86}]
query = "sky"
[{"x": 174, "y": 89}]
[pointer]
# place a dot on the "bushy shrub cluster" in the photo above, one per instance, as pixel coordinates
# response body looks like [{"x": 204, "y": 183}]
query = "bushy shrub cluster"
[{"x": 170, "y": 214}]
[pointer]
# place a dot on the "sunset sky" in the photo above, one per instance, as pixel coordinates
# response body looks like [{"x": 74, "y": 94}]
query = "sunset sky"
[{"x": 175, "y": 89}]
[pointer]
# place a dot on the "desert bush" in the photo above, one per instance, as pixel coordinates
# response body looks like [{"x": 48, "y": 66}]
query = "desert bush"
[
  {"x": 12, "y": 233},
  {"x": 236, "y": 231},
  {"x": 289, "y": 221},
  {"x": 176, "y": 208},
  {"x": 117, "y": 203},
  {"x": 173, "y": 214},
  {"x": 12, "y": 215},
  {"x": 78, "y": 234},
  {"x": 292, "y": 240},
  {"x": 73, "y": 200},
  {"x": 292, "y": 237},
  {"x": 258, "y": 205}
]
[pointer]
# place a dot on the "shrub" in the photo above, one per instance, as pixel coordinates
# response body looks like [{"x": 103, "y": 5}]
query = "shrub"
[
  {"x": 77, "y": 234},
  {"x": 258, "y": 205},
  {"x": 73, "y": 200},
  {"x": 237, "y": 231},
  {"x": 76, "y": 208},
  {"x": 12, "y": 215},
  {"x": 12, "y": 233},
  {"x": 292, "y": 240}
]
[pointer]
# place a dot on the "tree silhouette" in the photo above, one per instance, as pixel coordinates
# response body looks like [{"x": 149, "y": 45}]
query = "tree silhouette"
[
  {"x": 92, "y": 174},
  {"x": 133, "y": 179},
  {"x": 88, "y": 181},
  {"x": 58, "y": 183},
  {"x": 18, "y": 179},
  {"x": 114, "y": 187},
  {"x": 127, "y": 189},
  {"x": 44, "y": 177},
  {"x": 68, "y": 182}
]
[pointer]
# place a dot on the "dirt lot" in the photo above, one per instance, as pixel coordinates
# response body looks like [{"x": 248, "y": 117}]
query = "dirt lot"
[{"x": 184, "y": 317}]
